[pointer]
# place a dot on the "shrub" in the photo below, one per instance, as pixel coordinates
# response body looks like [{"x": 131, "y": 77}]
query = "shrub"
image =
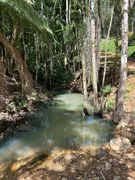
[
  {"x": 131, "y": 40},
  {"x": 107, "y": 90},
  {"x": 110, "y": 105}
]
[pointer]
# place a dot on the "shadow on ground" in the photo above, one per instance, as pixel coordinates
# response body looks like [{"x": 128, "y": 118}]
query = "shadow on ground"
[{"x": 84, "y": 164}]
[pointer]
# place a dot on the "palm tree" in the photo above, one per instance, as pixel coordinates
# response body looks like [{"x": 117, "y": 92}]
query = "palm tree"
[{"x": 23, "y": 12}]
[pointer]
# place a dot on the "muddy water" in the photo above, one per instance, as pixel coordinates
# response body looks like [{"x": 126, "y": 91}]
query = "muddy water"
[{"x": 59, "y": 125}]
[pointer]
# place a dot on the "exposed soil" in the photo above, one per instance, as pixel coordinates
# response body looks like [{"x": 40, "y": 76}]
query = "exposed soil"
[{"x": 85, "y": 164}]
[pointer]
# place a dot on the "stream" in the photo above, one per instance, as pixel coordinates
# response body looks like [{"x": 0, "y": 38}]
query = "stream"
[{"x": 58, "y": 125}]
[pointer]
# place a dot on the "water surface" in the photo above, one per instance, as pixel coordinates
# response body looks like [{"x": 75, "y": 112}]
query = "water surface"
[{"x": 59, "y": 125}]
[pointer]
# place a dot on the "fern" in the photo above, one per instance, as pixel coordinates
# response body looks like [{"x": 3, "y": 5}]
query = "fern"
[{"x": 27, "y": 13}]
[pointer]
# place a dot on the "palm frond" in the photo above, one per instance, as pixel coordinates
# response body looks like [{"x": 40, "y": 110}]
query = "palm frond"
[{"x": 26, "y": 12}]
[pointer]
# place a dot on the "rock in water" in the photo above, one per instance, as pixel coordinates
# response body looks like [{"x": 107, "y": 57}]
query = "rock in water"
[
  {"x": 85, "y": 111},
  {"x": 120, "y": 143}
]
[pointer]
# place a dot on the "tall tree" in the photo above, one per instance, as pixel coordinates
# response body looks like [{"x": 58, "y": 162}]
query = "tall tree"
[
  {"x": 93, "y": 54},
  {"x": 119, "y": 110},
  {"x": 16, "y": 10},
  {"x": 105, "y": 62}
]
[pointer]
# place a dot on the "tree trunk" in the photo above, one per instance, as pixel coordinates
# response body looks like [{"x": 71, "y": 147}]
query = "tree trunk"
[
  {"x": 104, "y": 72},
  {"x": 51, "y": 63},
  {"x": 84, "y": 57},
  {"x": 131, "y": 3},
  {"x": 67, "y": 12},
  {"x": 98, "y": 35},
  {"x": 116, "y": 51},
  {"x": 94, "y": 68},
  {"x": 119, "y": 110},
  {"x": 107, "y": 39},
  {"x": 14, "y": 38},
  {"x": 25, "y": 75},
  {"x": 37, "y": 57},
  {"x": 84, "y": 77}
]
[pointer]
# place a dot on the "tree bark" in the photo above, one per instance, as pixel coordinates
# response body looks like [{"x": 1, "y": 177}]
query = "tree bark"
[
  {"x": 119, "y": 110},
  {"x": 107, "y": 39},
  {"x": 84, "y": 77},
  {"x": 37, "y": 57},
  {"x": 94, "y": 68},
  {"x": 67, "y": 12},
  {"x": 104, "y": 72}
]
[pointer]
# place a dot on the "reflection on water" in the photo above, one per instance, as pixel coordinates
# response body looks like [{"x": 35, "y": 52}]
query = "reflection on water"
[{"x": 60, "y": 125}]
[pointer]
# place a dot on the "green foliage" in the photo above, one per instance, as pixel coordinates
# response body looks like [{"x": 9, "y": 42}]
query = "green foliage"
[
  {"x": 112, "y": 47},
  {"x": 129, "y": 88},
  {"x": 62, "y": 77},
  {"x": 131, "y": 72},
  {"x": 131, "y": 40},
  {"x": 22, "y": 104},
  {"x": 24, "y": 11},
  {"x": 107, "y": 90},
  {"x": 131, "y": 51},
  {"x": 126, "y": 96},
  {"x": 17, "y": 104},
  {"x": 110, "y": 105}
]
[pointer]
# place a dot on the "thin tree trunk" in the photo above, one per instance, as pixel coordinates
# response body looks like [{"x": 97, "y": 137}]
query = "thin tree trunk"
[
  {"x": 83, "y": 57},
  {"x": 54, "y": 8},
  {"x": 14, "y": 37},
  {"x": 98, "y": 36},
  {"x": 60, "y": 8},
  {"x": 3, "y": 86},
  {"x": 51, "y": 63},
  {"x": 5, "y": 54},
  {"x": 131, "y": 3},
  {"x": 25, "y": 50},
  {"x": 67, "y": 22},
  {"x": 37, "y": 57},
  {"x": 107, "y": 39},
  {"x": 116, "y": 52},
  {"x": 89, "y": 50},
  {"x": 84, "y": 77},
  {"x": 67, "y": 12},
  {"x": 94, "y": 68},
  {"x": 104, "y": 72},
  {"x": 119, "y": 110}
]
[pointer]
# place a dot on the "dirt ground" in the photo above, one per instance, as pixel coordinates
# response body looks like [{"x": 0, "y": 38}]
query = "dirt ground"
[
  {"x": 84, "y": 164},
  {"x": 130, "y": 87}
]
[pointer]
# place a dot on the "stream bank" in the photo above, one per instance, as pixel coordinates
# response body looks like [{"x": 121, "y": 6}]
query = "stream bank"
[
  {"x": 89, "y": 163},
  {"x": 17, "y": 109}
]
